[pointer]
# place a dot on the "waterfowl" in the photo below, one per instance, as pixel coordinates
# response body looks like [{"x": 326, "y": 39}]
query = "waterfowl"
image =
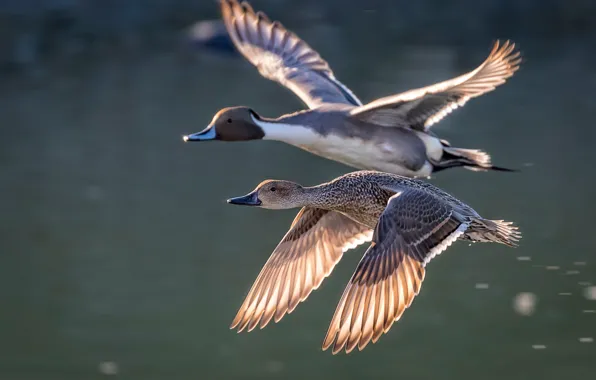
[
  {"x": 409, "y": 222},
  {"x": 390, "y": 134}
]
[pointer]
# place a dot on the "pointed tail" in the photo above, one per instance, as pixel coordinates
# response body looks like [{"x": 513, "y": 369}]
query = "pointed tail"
[
  {"x": 472, "y": 159},
  {"x": 494, "y": 231}
]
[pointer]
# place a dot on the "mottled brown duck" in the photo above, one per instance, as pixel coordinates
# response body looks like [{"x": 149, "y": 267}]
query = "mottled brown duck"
[{"x": 409, "y": 222}]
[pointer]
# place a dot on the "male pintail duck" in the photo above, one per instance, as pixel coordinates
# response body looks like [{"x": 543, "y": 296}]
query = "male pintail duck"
[
  {"x": 413, "y": 221},
  {"x": 390, "y": 134}
]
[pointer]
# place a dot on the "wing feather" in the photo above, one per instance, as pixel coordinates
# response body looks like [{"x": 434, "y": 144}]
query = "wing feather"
[
  {"x": 283, "y": 57},
  {"x": 414, "y": 226},
  {"x": 420, "y": 108},
  {"x": 298, "y": 265}
]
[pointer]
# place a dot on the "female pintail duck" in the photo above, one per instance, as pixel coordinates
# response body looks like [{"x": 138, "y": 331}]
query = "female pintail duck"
[
  {"x": 413, "y": 221},
  {"x": 390, "y": 134}
]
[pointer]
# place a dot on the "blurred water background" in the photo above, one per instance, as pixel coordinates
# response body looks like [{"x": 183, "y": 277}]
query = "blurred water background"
[{"x": 119, "y": 256}]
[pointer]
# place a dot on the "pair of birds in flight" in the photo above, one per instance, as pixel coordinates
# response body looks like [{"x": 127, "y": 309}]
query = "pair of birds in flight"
[{"x": 408, "y": 221}]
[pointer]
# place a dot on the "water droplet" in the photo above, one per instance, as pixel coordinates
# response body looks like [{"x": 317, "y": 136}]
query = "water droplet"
[
  {"x": 524, "y": 258},
  {"x": 552, "y": 267},
  {"x": 525, "y": 303},
  {"x": 586, "y": 340},
  {"x": 589, "y": 311},
  {"x": 590, "y": 293},
  {"x": 538, "y": 346},
  {"x": 108, "y": 368},
  {"x": 584, "y": 283},
  {"x": 571, "y": 272},
  {"x": 564, "y": 294},
  {"x": 481, "y": 286},
  {"x": 579, "y": 263}
]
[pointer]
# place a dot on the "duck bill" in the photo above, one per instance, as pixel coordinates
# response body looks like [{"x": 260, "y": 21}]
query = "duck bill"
[
  {"x": 251, "y": 199},
  {"x": 205, "y": 135}
]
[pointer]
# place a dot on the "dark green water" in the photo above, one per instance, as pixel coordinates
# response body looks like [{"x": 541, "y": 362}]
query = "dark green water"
[{"x": 120, "y": 255}]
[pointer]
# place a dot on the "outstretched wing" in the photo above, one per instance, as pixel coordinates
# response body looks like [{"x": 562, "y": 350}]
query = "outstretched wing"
[
  {"x": 283, "y": 57},
  {"x": 414, "y": 227},
  {"x": 423, "y": 107},
  {"x": 304, "y": 257}
]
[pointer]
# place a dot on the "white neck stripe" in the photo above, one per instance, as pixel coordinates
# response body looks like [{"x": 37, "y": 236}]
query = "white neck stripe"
[{"x": 295, "y": 134}]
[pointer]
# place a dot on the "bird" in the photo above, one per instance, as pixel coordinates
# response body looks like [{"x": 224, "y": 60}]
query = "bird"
[
  {"x": 391, "y": 134},
  {"x": 408, "y": 222}
]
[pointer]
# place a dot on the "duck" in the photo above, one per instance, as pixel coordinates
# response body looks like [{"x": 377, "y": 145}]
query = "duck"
[
  {"x": 408, "y": 222},
  {"x": 391, "y": 134}
]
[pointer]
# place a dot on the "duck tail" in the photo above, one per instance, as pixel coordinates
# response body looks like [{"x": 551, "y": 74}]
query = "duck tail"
[
  {"x": 494, "y": 231},
  {"x": 471, "y": 159}
]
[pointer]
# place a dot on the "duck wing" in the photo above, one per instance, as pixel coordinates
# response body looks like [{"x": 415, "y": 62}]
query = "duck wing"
[
  {"x": 421, "y": 108},
  {"x": 304, "y": 257},
  {"x": 283, "y": 57},
  {"x": 414, "y": 227}
]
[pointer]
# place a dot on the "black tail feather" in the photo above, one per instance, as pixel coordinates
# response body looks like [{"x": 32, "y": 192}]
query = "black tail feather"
[
  {"x": 470, "y": 159},
  {"x": 502, "y": 169}
]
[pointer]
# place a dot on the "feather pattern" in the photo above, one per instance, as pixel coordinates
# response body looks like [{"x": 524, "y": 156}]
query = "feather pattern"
[
  {"x": 304, "y": 257},
  {"x": 421, "y": 108},
  {"x": 281, "y": 56},
  {"x": 414, "y": 227}
]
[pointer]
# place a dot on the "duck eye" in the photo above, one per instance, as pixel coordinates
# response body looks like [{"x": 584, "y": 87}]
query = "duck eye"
[
  {"x": 273, "y": 188},
  {"x": 229, "y": 121}
]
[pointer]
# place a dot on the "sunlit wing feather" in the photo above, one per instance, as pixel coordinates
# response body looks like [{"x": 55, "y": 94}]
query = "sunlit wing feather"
[
  {"x": 282, "y": 56},
  {"x": 414, "y": 227},
  {"x": 423, "y": 107},
  {"x": 304, "y": 257}
]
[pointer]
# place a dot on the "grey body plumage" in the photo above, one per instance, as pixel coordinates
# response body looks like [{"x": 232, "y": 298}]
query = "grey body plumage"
[{"x": 409, "y": 222}]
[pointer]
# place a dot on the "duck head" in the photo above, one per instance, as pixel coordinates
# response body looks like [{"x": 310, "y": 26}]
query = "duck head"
[
  {"x": 273, "y": 194},
  {"x": 231, "y": 124}
]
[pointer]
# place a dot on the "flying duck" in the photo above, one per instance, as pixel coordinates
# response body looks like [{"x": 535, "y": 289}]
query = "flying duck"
[
  {"x": 409, "y": 221},
  {"x": 390, "y": 134}
]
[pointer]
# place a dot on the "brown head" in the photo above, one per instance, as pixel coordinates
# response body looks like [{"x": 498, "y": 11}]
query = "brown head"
[
  {"x": 231, "y": 124},
  {"x": 274, "y": 194}
]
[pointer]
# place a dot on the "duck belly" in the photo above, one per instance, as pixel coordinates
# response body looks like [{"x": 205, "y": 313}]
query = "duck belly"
[{"x": 377, "y": 155}]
